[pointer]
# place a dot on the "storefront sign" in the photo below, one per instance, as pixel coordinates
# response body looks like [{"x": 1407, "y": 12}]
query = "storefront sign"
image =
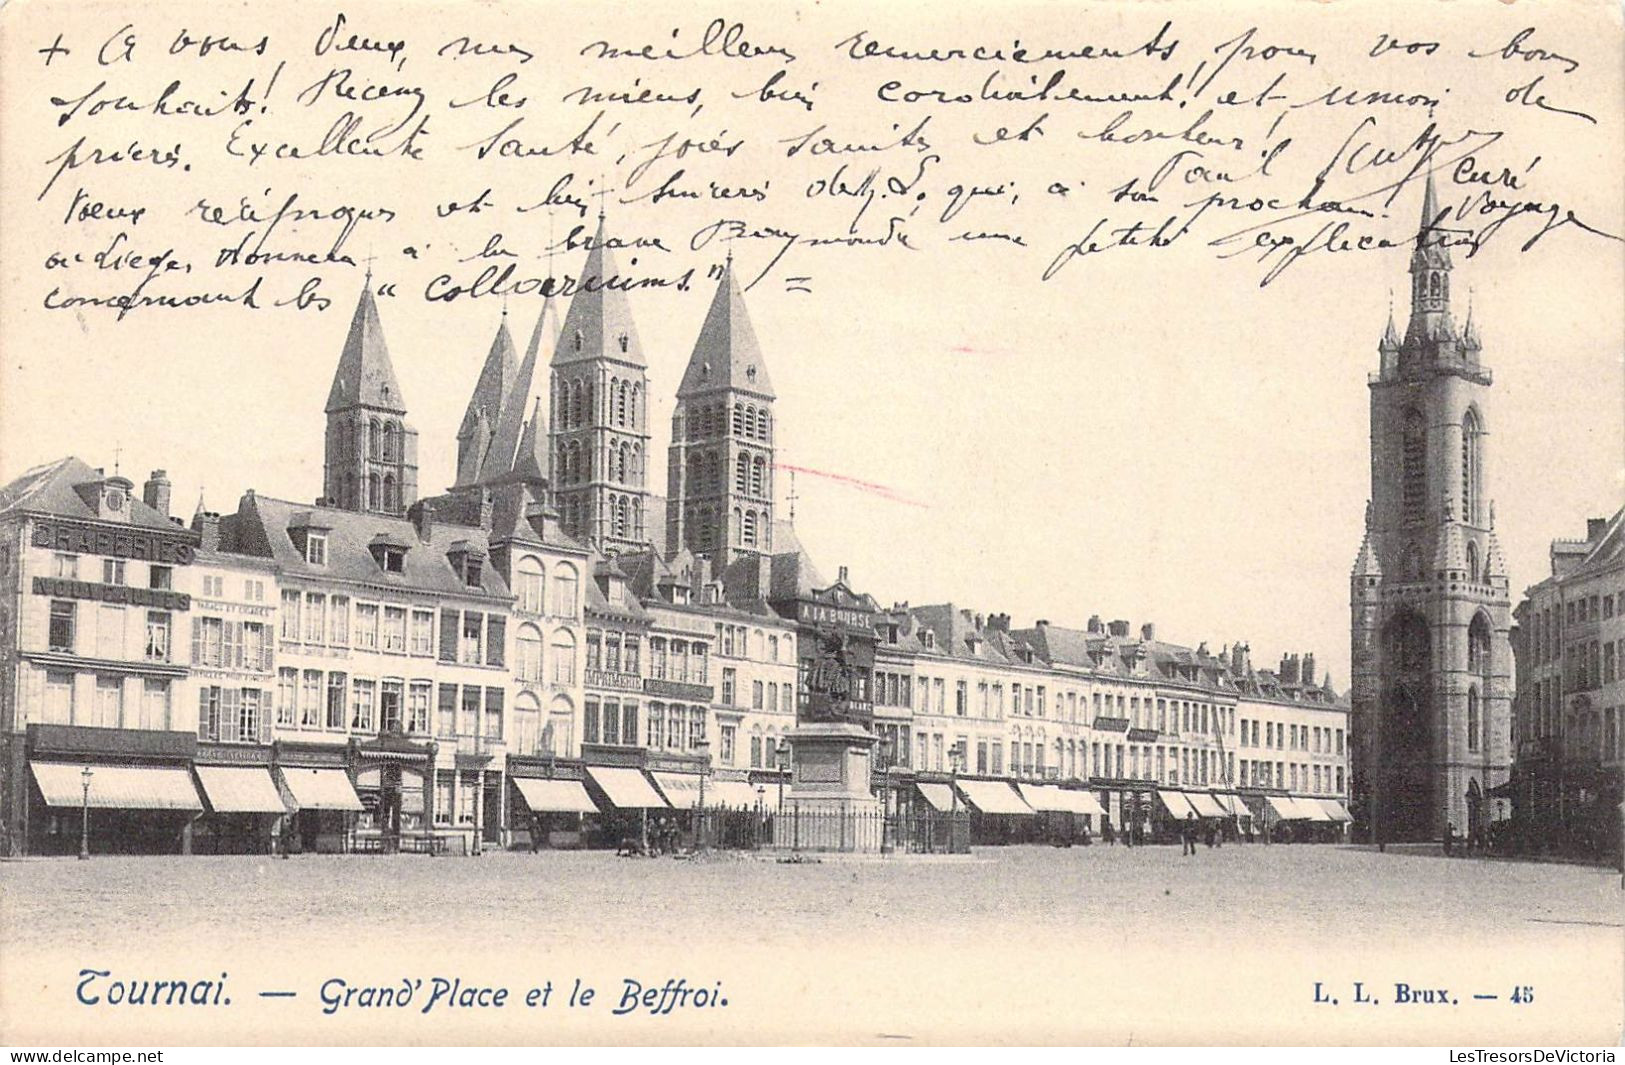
[
  {"x": 62, "y": 588},
  {"x": 603, "y": 678},
  {"x": 676, "y": 689},
  {"x": 61, "y": 534},
  {"x": 824, "y": 614}
]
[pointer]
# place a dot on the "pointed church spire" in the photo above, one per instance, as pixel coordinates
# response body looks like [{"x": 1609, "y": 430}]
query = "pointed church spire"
[
  {"x": 485, "y": 406},
  {"x": 599, "y": 321},
  {"x": 726, "y": 354},
  {"x": 1365, "y": 563},
  {"x": 530, "y": 463},
  {"x": 365, "y": 377},
  {"x": 528, "y": 388}
]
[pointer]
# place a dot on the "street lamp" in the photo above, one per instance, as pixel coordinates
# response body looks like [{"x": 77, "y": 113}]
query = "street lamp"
[
  {"x": 782, "y": 752},
  {"x": 703, "y": 749},
  {"x": 84, "y": 814}
]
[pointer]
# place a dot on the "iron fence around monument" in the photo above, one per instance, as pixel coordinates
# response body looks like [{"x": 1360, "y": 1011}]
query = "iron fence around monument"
[{"x": 907, "y": 831}]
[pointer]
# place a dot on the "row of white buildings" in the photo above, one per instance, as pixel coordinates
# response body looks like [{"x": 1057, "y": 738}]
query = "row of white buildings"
[{"x": 537, "y": 651}]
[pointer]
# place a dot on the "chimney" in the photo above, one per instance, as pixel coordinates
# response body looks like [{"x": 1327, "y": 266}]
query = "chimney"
[
  {"x": 1148, "y": 632},
  {"x": 1308, "y": 676},
  {"x": 980, "y": 621},
  {"x": 206, "y": 523},
  {"x": 1119, "y": 627},
  {"x": 155, "y": 493},
  {"x": 1289, "y": 669},
  {"x": 1595, "y": 527},
  {"x": 422, "y": 517},
  {"x": 1094, "y": 623},
  {"x": 1042, "y": 623},
  {"x": 1238, "y": 658},
  {"x": 841, "y": 576},
  {"x": 998, "y": 622}
]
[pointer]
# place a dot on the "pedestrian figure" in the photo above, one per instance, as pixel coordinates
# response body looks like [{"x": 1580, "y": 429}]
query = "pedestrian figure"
[
  {"x": 1107, "y": 833},
  {"x": 1449, "y": 838}
]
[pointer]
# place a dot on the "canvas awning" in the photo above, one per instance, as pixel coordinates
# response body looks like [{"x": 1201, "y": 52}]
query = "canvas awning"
[
  {"x": 1283, "y": 808},
  {"x": 1084, "y": 802},
  {"x": 627, "y": 788},
  {"x": 1175, "y": 803},
  {"x": 1044, "y": 797},
  {"x": 240, "y": 790},
  {"x": 733, "y": 794},
  {"x": 320, "y": 789},
  {"x": 994, "y": 797},
  {"x": 1334, "y": 809},
  {"x": 554, "y": 796},
  {"x": 1235, "y": 804},
  {"x": 1310, "y": 809},
  {"x": 938, "y": 795},
  {"x": 682, "y": 790},
  {"x": 116, "y": 787},
  {"x": 1205, "y": 804}
]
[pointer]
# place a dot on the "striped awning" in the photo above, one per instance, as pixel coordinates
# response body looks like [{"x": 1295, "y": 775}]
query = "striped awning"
[
  {"x": 1205, "y": 805},
  {"x": 555, "y": 796},
  {"x": 1235, "y": 804},
  {"x": 1283, "y": 808},
  {"x": 940, "y": 796},
  {"x": 627, "y": 788},
  {"x": 994, "y": 797},
  {"x": 116, "y": 787},
  {"x": 320, "y": 789},
  {"x": 240, "y": 790}
]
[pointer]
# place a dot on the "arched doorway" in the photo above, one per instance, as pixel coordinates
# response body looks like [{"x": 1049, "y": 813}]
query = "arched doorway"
[
  {"x": 1475, "y": 814},
  {"x": 1405, "y": 759}
]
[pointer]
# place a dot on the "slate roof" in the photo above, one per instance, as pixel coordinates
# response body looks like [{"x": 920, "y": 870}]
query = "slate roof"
[
  {"x": 365, "y": 376},
  {"x": 1610, "y": 548},
  {"x": 260, "y": 527},
  {"x": 64, "y": 488},
  {"x": 726, "y": 354},
  {"x": 600, "y": 314},
  {"x": 519, "y": 439}
]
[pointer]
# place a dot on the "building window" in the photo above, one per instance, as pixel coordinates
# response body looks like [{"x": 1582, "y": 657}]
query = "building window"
[
  {"x": 1413, "y": 467},
  {"x": 530, "y": 586},
  {"x": 316, "y": 548},
  {"x": 311, "y": 700},
  {"x": 1472, "y": 719},
  {"x": 528, "y": 643},
  {"x": 423, "y": 632},
  {"x": 728, "y": 686},
  {"x": 161, "y": 577},
  {"x": 338, "y": 621},
  {"x": 395, "y": 629},
  {"x": 287, "y": 692},
  {"x": 564, "y": 658},
  {"x": 417, "y": 708},
  {"x": 62, "y": 624},
  {"x": 725, "y": 735},
  {"x": 366, "y": 626},
  {"x": 158, "y": 629},
  {"x": 493, "y": 713},
  {"x": 315, "y": 618},
  {"x": 446, "y": 716},
  {"x": 65, "y": 567},
  {"x": 112, "y": 571},
  {"x": 154, "y": 704}
]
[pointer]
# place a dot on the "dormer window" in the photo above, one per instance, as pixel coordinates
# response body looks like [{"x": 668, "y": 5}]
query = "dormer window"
[
  {"x": 578, "y": 339},
  {"x": 316, "y": 548},
  {"x": 389, "y": 552},
  {"x": 471, "y": 573},
  {"x": 468, "y": 560},
  {"x": 393, "y": 560},
  {"x": 750, "y": 373},
  {"x": 930, "y": 638},
  {"x": 623, "y": 342}
]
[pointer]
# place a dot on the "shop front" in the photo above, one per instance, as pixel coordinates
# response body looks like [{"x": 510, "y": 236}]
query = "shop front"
[
  {"x": 245, "y": 810},
  {"x": 325, "y": 806},
  {"x": 107, "y": 791},
  {"x": 549, "y": 812},
  {"x": 631, "y": 812},
  {"x": 999, "y": 815}
]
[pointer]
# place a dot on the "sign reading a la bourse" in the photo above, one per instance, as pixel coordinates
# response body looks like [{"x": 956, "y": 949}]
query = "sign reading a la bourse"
[{"x": 837, "y": 640}]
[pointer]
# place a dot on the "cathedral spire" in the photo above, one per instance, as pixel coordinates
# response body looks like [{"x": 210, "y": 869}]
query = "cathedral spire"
[
  {"x": 726, "y": 354},
  {"x": 525, "y": 393},
  {"x": 599, "y": 321},
  {"x": 1430, "y": 273},
  {"x": 365, "y": 377},
  {"x": 474, "y": 437}
]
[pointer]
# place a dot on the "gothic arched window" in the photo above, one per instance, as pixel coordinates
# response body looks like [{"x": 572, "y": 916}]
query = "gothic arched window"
[
  {"x": 1472, "y": 562},
  {"x": 1413, "y": 466},
  {"x": 739, "y": 419},
  {"x": 391, "y": 449},
  {"x": 391, "y": 502},
  {"x": 632, "y": 409},
  {"x": 765, "y": 425},
  {"x": 372, "y": 491},
  {"x": 1472, "y": 460},
  {"x": 1472, "y": 719},
  {"x": 758, "y": 476},
  {"x": 1478, "y": 646},
  {"x": 747, "y": 529},
  {"x": 741, "y": 473},
  {"x": 375, "y": 438}
]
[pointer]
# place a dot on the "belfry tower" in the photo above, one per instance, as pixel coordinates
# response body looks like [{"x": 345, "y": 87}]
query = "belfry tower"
[
  {"x": 719, "y": 468},
  {"x": 1431, "y": 714},
  {"x": 371, "y": 454},
  {"x": 599, "y": 429}
]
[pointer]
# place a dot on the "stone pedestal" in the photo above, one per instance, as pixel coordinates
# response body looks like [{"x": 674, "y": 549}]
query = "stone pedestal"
[{"x": 829, "y": 806}]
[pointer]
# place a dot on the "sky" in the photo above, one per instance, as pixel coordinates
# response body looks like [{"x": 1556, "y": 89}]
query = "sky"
[{"x": 1149, "y": 436}]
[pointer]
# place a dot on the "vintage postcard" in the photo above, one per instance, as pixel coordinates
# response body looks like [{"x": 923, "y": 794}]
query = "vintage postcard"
[{"x": 1002, "y": 523}]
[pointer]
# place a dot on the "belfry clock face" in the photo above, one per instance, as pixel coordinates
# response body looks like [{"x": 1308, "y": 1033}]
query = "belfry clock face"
[{"x": 115, "y": 500}]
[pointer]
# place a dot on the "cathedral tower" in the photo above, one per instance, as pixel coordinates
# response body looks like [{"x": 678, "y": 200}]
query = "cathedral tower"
[
  {"x": 371, "y": 454},
  {"x": 719, "y": 470},
  {"x": 599, "y": 427},
  {"x": 1430, "y": 720}
]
